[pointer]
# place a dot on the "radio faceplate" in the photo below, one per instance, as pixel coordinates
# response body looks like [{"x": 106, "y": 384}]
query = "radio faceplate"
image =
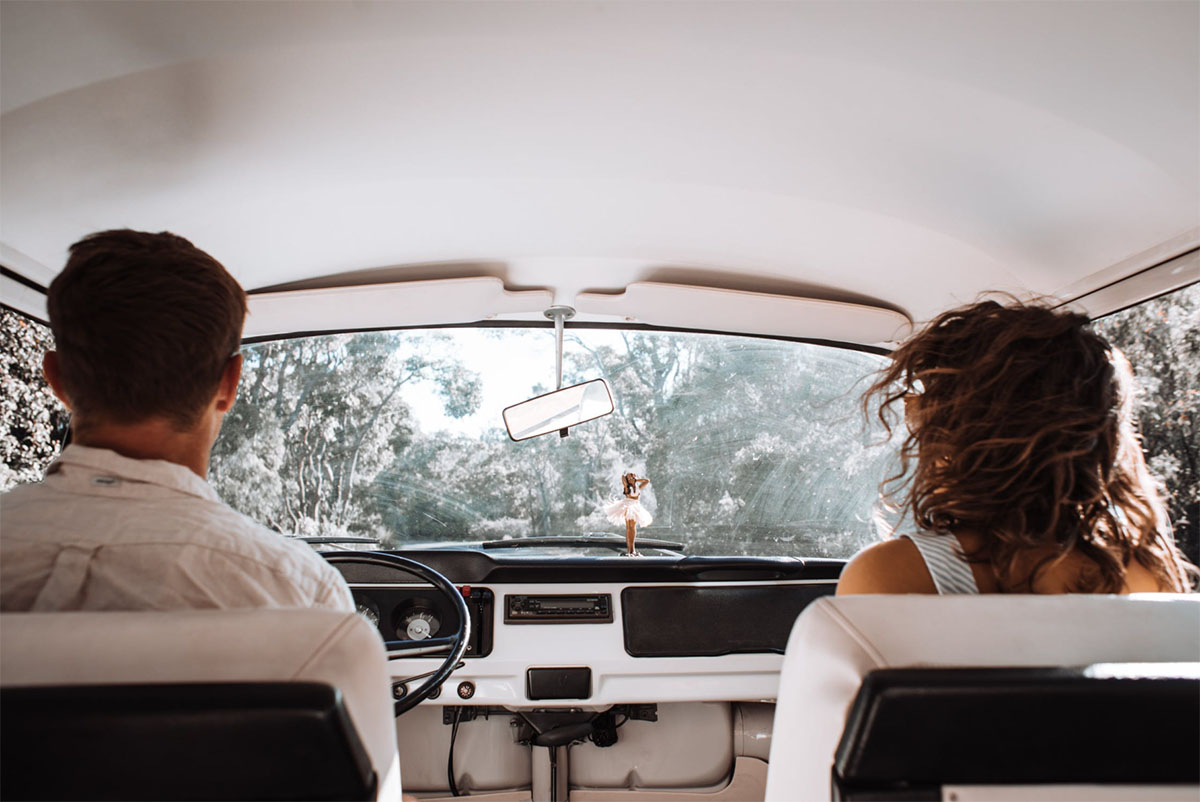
[{"x": 593, "y": 608}]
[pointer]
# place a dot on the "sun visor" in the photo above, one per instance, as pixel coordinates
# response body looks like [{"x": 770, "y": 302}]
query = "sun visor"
[
  {"x": 1167, "y": 276},
  {"x": 707, "y": 308},
  {"x": 372, "y": 306},
  {"x": 22, "y": 297}
]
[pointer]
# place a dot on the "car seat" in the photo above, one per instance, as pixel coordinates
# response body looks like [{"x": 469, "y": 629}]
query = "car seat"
[
  {"x": 204, "y": 704},
  {"x": 1014, "y": 724}
]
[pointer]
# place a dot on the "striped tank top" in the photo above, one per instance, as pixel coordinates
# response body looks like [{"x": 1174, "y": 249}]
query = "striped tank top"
[{"x": 946, "y": 561}]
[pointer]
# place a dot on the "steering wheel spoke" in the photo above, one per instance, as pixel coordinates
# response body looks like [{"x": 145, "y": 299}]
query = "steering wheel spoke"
[
  {"x": 412, "y": 648},
  {"x": 453, "y": 646}
]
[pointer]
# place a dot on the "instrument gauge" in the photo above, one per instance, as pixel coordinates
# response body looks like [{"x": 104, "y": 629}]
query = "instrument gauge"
[
  {"x": 418, "y": 624},
  {"x": 367, "y": 609}
]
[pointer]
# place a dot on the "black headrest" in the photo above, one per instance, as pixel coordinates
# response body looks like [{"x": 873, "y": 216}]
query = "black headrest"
[
  {"x": 225, "y": 741},
  {"x": 928, "y": 727}
]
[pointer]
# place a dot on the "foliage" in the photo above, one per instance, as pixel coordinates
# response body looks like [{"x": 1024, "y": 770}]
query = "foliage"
[
  {"x": 317, "y": 419},
  {"x": 752, "y": 445},
  {"x": 1161, "y": 339},
  {"x": 32, "y": 419}
]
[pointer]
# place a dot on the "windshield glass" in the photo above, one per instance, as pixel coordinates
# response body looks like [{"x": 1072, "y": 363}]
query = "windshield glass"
[{"x": 752, "y": 446}]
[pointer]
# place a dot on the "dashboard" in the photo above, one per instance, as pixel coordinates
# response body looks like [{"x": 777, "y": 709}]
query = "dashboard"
[{"x": 592, "y": 632}]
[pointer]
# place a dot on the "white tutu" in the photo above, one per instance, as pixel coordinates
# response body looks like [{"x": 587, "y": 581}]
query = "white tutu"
[{"x": 628, "y": 509}]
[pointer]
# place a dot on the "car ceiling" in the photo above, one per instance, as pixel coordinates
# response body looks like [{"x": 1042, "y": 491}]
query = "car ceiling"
[{"x": 897, "y": 156}]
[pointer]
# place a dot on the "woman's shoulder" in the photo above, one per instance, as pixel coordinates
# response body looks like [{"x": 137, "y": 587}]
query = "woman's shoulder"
[{"x": 890, "y": 566}]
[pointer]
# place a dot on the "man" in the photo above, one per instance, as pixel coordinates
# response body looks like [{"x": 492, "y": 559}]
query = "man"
[{"x": 147, "y": 329}]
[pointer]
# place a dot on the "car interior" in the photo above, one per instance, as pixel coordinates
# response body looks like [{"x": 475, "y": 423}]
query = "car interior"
[{"x": 502, "y": 255}]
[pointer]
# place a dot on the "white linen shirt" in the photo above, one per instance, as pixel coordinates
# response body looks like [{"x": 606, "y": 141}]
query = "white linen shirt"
[{"x": 105, "y": 532}]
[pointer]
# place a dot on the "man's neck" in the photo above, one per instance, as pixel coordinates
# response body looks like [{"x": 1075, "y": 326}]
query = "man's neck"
[{"x": 150, "y": 439}]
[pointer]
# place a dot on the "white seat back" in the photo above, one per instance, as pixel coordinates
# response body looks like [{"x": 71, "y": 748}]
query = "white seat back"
[
  {"x": 836, "y": 641},
  {"x": 270, "y": 645}
]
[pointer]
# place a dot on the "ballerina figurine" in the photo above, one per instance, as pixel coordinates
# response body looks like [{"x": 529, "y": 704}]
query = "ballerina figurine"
[{"x": 629, "y": 509}]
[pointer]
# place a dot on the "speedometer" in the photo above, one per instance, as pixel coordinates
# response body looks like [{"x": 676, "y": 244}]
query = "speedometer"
[
  {"x": 418, "y": 624},
  {"x": 368, "y": 610}
]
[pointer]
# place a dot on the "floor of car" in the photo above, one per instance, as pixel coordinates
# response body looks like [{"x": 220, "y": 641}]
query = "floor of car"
[
  {"x": 676, "y": 751},
  {"x": 748, "y": 782}
]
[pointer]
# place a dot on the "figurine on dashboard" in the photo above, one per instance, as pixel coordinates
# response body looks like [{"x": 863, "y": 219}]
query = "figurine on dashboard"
[{"x": 629, "y": 509}]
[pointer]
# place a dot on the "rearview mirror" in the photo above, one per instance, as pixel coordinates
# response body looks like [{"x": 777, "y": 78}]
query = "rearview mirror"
[{"x": 558, "y": 410}]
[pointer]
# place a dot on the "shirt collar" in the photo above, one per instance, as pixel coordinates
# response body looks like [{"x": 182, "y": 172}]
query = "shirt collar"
[{"x": 151, "y": 471}]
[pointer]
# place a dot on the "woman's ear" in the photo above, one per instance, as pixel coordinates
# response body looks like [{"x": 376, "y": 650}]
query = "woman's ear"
[{"x": 54, "y": 377}]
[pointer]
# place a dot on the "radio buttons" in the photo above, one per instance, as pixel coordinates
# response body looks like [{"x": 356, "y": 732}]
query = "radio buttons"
[{"x": 589, "y": 609}]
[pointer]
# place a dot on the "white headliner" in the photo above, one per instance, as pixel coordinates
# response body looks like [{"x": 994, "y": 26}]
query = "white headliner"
[{"x": 904, "y": 155}]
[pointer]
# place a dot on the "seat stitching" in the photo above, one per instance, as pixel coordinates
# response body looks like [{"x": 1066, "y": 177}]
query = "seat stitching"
[
  {"x": 325, "y": 644},
  {"x": 855, "y": 633}
]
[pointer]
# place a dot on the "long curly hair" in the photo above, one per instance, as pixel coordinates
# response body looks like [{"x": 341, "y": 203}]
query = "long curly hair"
[{"x": 1021, "y": 429}]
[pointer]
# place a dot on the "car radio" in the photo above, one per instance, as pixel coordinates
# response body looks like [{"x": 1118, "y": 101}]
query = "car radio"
[{"x": 588, "y": 609}]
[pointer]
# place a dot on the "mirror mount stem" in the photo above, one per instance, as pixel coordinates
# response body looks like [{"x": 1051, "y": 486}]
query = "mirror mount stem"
[{"x": 559, "y": 314}]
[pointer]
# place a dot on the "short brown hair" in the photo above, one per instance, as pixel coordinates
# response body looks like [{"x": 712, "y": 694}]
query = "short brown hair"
[
  {"x": 1024, "y": 432},
  {"x": 144, "y": 325}
]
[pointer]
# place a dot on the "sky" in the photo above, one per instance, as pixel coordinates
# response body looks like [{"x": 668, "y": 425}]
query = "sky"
[{"x": 511, "y": 363}]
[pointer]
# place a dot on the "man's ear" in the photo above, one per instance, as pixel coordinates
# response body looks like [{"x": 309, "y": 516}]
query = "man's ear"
[
  {"x": 54, "y": 377},
  {"x": 227, "y": 389}
]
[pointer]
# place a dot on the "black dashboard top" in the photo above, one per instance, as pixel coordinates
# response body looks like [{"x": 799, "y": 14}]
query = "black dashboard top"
[{"x": 475, "y": 567}]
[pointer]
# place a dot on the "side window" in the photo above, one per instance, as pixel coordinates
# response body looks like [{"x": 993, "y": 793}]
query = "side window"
[
  {"x": 1161, "y": 338},
  {"x": 31, "y": 418}
]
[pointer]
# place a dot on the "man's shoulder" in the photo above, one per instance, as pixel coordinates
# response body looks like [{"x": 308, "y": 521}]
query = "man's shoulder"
[
  {"x": 227, "y": 529},
  {"x": 220, "y": 556},
  {"x": 21, "y": 493},
  {"x": 27, "y": 501},
  {"x": 289, "y": 560},
  {"x": 38, "y": 512}
]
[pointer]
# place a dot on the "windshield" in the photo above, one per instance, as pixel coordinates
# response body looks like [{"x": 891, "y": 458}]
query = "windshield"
[{"x": 752, "y": 446}]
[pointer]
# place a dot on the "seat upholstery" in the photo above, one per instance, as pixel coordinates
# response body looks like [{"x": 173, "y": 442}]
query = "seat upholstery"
[
  {"x": 836, "y": 641},
  {"x": 274, "y": 645}
]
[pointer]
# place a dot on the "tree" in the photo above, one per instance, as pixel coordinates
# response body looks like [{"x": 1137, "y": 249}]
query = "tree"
[
  {"x": 753, "y": 445},
  {"x": 318, "y": 418},
  {"x": 1161, "y": 339},
  {"x": 34, "y": 422}
]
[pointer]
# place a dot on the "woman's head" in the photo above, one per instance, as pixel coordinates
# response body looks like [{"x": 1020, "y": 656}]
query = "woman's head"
[{"x": 1020, "y": 428}]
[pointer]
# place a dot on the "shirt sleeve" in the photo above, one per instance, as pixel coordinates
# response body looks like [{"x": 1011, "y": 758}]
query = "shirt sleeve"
[{"x": 334, "y": 593}]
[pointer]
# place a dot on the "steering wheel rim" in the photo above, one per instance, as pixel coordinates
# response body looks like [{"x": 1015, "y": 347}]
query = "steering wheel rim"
[{"x": 457, "y": 642}]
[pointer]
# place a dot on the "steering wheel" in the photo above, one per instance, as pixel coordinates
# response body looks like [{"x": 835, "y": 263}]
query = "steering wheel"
[{"x": 455, "y": 644}]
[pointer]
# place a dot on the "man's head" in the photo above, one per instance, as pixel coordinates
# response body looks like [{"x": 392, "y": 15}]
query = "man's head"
[{"x": 145, "y": 327}]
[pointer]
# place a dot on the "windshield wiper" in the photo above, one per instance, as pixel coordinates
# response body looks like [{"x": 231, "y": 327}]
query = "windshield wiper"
[
  {"x": 603, "y": 541},
  {"x": 320, "y": 541}
]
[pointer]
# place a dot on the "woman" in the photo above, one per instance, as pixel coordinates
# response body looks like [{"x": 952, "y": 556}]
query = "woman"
[{"x": 1021, "y": 465}]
